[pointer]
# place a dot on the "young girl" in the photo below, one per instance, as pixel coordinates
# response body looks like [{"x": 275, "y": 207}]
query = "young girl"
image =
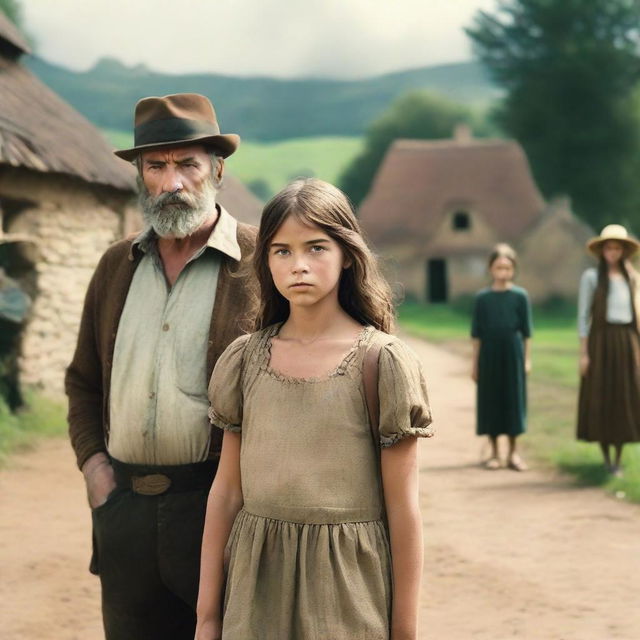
[
  {"x": 609, "y": 402},
  {"x": 296, "y": 520},
  {"x": 500, "y": 332}
]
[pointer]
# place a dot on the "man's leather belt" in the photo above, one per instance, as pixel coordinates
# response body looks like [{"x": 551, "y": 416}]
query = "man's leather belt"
[
  {"x": 155, "y": 480},
  {"x": 151, "y": 485}
]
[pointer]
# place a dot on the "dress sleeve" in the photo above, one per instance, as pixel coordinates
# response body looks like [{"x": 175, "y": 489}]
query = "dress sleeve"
[
  {"x": 476, "y": 329},
  {"x": 588, "y": 283},
  {"x": 526, "y": 321},
  {"x": 225, "y": 387},
  {"x": 404, "y": 405}
]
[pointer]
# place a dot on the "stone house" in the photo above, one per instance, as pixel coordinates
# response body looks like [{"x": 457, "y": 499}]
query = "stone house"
[
  {"x": 64, "y": 198},
  {"x": 437, "y": 207}
]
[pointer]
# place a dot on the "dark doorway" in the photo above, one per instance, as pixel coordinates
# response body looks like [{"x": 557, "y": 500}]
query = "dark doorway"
[
  {"x": 437, "y": 280},
  {"x": 14, "y": 309}
]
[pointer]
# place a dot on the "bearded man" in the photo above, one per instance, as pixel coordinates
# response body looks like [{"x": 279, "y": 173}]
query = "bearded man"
[{"x": 160, "y": 309}]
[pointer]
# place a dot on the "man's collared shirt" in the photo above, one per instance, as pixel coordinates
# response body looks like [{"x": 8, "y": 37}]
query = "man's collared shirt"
[{"x": 158, "y": 400}]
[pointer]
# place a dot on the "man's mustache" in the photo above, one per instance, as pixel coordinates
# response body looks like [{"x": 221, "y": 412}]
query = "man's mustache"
[{"x": 166, "y": 199}]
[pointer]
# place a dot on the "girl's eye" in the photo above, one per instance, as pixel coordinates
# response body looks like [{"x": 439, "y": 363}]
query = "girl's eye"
[
  {"x": 281, "y": 252},
  {"x": 317, "y": 248}
]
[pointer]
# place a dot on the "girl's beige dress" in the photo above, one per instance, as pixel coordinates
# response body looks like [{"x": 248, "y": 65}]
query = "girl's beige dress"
[{"x": 308, "y": 556}]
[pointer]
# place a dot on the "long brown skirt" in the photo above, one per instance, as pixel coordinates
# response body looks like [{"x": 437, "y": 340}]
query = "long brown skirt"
[{"x": 609, "y": 402}]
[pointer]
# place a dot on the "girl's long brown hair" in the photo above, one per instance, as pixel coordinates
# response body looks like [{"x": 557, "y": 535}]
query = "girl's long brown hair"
[
  {"x": 599, "y": 304},
  {"x": 363, "y": 292}
]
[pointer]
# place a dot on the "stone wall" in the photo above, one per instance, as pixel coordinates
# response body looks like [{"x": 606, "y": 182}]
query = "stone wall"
[
  {"x": 551, "y": 256},
  {"x": 73, "y": 224}
]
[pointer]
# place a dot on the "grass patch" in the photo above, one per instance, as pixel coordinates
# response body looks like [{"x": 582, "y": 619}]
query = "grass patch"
[
  {"x": 118, "y": 139},
  {"x": 277, "y": 163},
  {"x": 435, "y": 322},
  {"x": 584, "y": 461},
  {"x": 266, "y": 167},
  {"x": 553, "y": 390},
  {"x": 41, "y": 417}
]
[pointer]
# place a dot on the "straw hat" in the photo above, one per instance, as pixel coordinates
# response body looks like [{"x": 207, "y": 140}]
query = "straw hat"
[
  {"x": 613, "y": 232},
  {"x": 178, "y": 120}
]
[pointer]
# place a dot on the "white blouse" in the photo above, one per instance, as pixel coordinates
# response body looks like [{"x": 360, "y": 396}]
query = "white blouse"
[{"x": 619, "y": 309}]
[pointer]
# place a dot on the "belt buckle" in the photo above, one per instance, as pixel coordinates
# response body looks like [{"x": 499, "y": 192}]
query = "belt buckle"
[{"x": 151, "y": 485}]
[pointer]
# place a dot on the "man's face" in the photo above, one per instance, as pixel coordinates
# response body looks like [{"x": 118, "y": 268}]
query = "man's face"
[
  {"x": 177, "y": 189},
  {"x": 179, "y": 169}
]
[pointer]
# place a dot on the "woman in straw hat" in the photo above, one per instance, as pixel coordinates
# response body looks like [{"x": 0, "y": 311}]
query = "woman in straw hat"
[{"x": 609, "y": 403}]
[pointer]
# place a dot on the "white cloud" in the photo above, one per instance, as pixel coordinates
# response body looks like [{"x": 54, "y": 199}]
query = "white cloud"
[{"x": 284, "y": 38}]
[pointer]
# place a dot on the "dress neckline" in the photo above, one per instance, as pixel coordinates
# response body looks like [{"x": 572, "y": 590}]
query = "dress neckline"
[
  {"x": 501, "y": 290},
  {"x": 339, "y": 370}
]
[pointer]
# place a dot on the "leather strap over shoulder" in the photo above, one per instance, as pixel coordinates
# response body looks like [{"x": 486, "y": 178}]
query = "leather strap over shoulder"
[
  {"x": 253, "y": 342},
  {"x": 370, "y": 375}
]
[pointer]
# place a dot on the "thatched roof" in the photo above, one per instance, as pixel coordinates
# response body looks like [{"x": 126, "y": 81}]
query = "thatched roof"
[
  {"x": 12, "y": 42},
  {"x": 420, "y": 181},
  {"x": 39, "y": 131},
  {"x": 239, "y": 201}
]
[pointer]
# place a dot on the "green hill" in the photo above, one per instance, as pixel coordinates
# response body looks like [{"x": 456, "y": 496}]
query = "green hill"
[
  {"x": 266, "y": 167},
  {"x": 260, "y": 108}
]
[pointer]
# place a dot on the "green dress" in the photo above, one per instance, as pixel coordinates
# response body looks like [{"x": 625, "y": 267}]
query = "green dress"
[
  {"x": 501, "y": 321},
  {"x": 308, "y": 557}
]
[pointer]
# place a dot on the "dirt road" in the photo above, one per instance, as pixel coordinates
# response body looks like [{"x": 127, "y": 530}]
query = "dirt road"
[{"x": 508, "y": 555}]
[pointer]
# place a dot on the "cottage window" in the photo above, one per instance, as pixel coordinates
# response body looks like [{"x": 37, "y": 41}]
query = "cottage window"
[{"x": 461, "y": 221}]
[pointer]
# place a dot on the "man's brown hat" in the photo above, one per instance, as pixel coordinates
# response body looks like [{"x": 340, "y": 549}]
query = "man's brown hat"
[{"x": 176, "y": 121}]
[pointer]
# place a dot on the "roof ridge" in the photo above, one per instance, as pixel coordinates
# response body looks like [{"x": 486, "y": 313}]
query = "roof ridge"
[
  {"x": 43, "y": 132},
  {"x": 450, "y": 143}
]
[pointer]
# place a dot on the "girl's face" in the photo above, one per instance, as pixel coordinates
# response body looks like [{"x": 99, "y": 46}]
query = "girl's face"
[
  {"x": 305, "y": 263},
  {"x": 502, "y": 270},
  {"x": 612, "y": 251}
]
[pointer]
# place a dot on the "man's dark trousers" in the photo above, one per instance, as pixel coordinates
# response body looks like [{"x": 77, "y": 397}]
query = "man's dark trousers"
[{"x": 147, "y": 550}]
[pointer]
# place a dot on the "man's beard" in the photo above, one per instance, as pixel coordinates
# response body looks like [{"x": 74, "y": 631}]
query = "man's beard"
[{"x": 177, "y": 215}]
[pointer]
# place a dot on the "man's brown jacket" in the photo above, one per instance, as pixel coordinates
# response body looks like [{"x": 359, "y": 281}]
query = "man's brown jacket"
[{"x": 89, "y": 374}]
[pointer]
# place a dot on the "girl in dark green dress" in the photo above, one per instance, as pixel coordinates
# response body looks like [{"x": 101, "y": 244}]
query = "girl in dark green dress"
[{"x": 500, "y": 333}]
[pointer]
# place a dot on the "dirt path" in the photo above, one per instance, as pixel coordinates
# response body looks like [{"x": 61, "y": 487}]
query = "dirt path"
[{"x": 507, "y": 555}]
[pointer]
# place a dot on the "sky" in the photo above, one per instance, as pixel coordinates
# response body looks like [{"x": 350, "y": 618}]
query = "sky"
[{"x": 280, "y": 38}]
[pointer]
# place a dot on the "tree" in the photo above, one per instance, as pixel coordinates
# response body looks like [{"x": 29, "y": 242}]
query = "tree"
[
  {"x": 571, "y": 70},
  {"x": 420, "y": 115},
  {"x": 260, "y": 189},
  {"x": 13, "y": 11}
]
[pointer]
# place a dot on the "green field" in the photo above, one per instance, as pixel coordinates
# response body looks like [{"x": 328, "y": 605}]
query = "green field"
[
  {"x": 118, "y": 139},
  {"x": 41, "y": 417},
  {"x": 553, "y": 389},
  {"x": 278, "y": 163},
  {"x": 267, "y": 167}
]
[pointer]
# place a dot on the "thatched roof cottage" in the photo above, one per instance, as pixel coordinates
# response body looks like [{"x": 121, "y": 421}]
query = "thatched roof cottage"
[
  {"x": 437, "y": 207},
  {"x": 64, "y": 197}
]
